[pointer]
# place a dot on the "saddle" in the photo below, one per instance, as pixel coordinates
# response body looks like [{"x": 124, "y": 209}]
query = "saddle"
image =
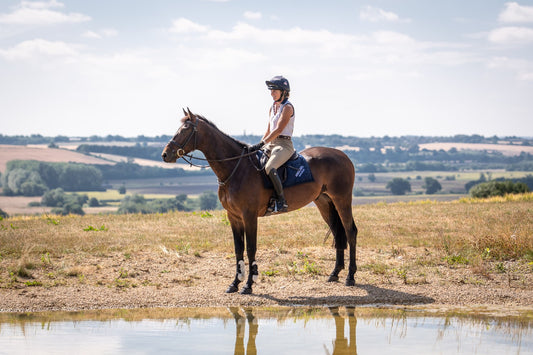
[{"x": 295, "y": 171}]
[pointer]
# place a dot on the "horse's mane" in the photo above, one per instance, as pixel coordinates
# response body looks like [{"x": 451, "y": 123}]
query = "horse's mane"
[{"x": 202, "y": 118}]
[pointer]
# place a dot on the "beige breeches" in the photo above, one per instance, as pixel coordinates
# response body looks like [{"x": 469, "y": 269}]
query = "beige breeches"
[{"x": 280, "y": 151}]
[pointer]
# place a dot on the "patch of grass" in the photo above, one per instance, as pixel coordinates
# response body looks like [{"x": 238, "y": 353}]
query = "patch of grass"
[
  {"x": 91, "y": 228},
  {"x": 500, "y": 268},
  {"x": 270, "y": 273},
  {"x": 45, "y": 259},
  {"x": 456, "y": 259},
  {"x": 22, "y": 271},
  {"x": 33, "y": 283},
  {"x": 74, "y": 271},
  {"x": 123, "y": 283},
  {"x": 303, "y": 265},
  {"x": 402, "y": 274},
  {"x": 377, "y": 268},
  {"x": 183, "y": 248}
]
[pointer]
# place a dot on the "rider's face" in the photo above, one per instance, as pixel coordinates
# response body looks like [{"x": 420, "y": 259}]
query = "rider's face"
[{"x": 276, "y": 94}]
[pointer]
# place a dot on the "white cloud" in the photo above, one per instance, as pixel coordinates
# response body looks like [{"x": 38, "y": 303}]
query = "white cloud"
[
  {"x": 523, "y": 69},
  {"x": 250, "y": 15},
  {"x": 40, "y": 13},
  {"x": 348, "y": 51},
  {"x": 374, "y": 14},
  {"x": 515, "y": 13},
  {"x": 183, "y": 25},
  {"x": 39, "y": 47},
  {"x": 41, "y": 4},
  {"x": 106, "y": 32},
  {"x": 511, "y": 35},
  {"x": 92, "y": 34}
]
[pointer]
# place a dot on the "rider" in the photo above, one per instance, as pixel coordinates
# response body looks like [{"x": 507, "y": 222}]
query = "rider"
[{"x": 277, "y": 140}]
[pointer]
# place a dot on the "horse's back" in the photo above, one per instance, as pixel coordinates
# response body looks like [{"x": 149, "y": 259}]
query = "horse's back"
[
  {"x": 326, "y": 155},
  {"x": 330, "y": 166}
]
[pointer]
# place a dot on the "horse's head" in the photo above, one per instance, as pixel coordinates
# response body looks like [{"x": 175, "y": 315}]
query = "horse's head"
[{"x": 184, "y": 141}]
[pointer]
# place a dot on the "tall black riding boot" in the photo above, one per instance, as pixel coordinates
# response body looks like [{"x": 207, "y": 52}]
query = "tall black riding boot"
[{"x": 279, "y": 204}]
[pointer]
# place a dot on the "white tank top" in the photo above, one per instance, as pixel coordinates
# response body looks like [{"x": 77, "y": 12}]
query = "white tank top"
[{"x": 274, "y": 118}]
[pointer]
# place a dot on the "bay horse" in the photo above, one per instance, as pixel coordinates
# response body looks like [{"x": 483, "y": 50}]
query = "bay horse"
[{"x": 243, "y": 195}]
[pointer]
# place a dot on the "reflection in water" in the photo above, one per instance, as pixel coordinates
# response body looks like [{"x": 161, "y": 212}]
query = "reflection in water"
[
  {"x": 253, "y": 327},
  {"x": 280, "y": 330},
  {"x": 341, "y": 345}
]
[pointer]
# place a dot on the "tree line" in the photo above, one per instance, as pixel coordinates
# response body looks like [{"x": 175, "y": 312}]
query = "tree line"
[
  {"x": 372, "y": 154},
  {"x": 35, "y": 178}
]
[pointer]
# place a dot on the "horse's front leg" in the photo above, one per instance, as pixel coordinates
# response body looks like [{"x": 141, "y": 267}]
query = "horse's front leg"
[
  {"x": 237, "y": 228},
  {"x": 339, "y": 265},
  {"x": 251, "y": 248}
]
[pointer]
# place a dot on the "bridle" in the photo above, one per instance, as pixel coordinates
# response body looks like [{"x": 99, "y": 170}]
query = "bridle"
[{"x": 180, "y": 152}]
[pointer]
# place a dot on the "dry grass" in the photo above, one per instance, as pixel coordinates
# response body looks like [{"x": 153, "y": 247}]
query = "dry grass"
[
  {"x": 463, "y": 252},
  {"x": 495, "y": 229},
  {"x": 408, "y": 242}
]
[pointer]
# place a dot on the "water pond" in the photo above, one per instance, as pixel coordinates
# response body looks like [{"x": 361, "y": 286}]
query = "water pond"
[{"x": 278, "y": 330}]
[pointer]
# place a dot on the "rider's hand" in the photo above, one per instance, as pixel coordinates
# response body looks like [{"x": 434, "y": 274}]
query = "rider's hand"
[{"x": 257, "y": 146}]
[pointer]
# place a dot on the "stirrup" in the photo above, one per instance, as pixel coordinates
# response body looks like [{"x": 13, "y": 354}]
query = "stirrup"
[{"x": 277, "y": 206}]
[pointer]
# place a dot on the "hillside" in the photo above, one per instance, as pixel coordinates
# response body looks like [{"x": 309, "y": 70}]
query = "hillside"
[{"x": 42, "y": 153}]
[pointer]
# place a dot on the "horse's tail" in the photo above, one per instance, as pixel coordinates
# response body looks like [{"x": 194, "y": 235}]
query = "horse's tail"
[{"x": 336, "y": 227}]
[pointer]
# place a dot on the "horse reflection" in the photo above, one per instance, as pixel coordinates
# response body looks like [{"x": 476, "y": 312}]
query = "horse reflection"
[
  {"x": 341, "y": 345},
  {"x": 252, "y": 331}
]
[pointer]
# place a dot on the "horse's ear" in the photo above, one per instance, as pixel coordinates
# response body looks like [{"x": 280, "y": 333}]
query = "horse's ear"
[
  {"x": 185, "y": 112},
  {"x": 190, "y": 114}
]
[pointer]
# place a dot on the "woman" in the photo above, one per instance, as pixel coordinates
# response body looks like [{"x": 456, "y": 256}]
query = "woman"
[{"x": 277, "y": 141}]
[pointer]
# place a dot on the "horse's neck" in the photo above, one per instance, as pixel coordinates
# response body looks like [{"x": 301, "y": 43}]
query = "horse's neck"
[{"x": 216, "y": 147}]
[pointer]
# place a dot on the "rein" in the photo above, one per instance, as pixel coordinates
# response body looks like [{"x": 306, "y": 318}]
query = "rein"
[{"x": 181, "y": 154}]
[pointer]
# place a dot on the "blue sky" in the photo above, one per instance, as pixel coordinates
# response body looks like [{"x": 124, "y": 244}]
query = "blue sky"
[{"x": 361, "y": 68}]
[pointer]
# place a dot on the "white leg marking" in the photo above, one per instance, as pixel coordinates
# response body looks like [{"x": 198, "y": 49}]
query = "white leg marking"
[
  {"x": 241, "y": 273},
  {"x": 255, "y": 277}
]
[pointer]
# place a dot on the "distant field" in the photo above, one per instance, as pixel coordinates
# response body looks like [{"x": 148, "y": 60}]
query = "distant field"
[
  {"x": 505, "y": 149},
  {"x": 15, "y": 152},
  {"x": 67, "y": 154}
]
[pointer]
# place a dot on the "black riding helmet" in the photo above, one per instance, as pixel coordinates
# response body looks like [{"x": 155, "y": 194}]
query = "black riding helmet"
[{"x": 278, "y": 83}]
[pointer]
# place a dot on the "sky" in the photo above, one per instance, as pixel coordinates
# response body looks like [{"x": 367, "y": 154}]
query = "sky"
[{"x": 356, "y": 68}]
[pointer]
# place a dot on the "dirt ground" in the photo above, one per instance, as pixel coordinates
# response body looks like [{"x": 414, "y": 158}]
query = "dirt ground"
[{"x": 169, "y": 279}]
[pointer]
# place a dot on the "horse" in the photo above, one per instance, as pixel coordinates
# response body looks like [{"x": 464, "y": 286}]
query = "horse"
[{"x": 242, "y": 193}]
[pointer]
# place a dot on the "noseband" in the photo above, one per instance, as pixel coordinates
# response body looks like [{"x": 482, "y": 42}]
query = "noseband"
[{"x": 180, "y": 152}]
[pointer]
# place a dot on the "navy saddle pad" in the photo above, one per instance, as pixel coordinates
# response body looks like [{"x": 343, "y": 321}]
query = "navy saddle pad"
[{"x": 295, "y": 171}]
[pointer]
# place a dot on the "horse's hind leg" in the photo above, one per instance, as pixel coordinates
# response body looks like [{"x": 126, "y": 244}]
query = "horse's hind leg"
[
  {"x": 343, "y": 206},
  {"x": 331, "y": 217}
]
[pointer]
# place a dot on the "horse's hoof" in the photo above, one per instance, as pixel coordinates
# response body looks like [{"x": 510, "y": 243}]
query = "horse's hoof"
[
  {"x": 350, "y": 282},
  {"x": 333, "y": 278},
  {"x": 246, "y": 290},
  {"x": 232, "y": 289}
]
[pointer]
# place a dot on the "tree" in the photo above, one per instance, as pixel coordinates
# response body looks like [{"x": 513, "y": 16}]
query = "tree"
[
  {"x": 23, "y": 182},
  {"x": 371, "y": 177},
  {"x": 399, "y": 186},
  {"x": 498, "y": 188},
  {"x": 431, "y": 185},
  {"x": 65, "y": 203},
  {"x": 208, "y": 201}
]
